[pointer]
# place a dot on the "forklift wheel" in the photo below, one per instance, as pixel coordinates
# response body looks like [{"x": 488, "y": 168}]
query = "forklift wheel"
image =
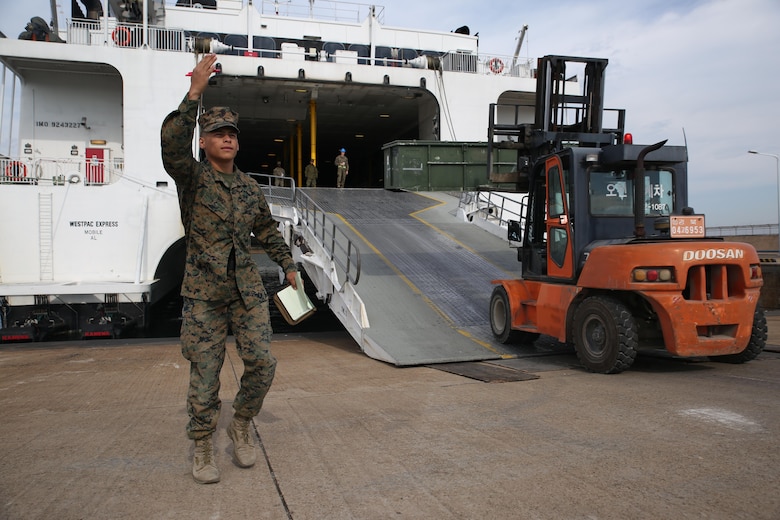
[
  {"x": 605, "y": 335},
  {"x": 501, "y": 320},
  {"x": 756, "y": 344}
]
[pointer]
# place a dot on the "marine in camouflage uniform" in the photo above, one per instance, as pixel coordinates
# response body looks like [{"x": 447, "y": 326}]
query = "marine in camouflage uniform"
[
  {"x": 222, "y": 286},
  {"x": 342, "y": 168},
  {"x": 279, "y": 172},
  {"x": 311, "y": 173}
]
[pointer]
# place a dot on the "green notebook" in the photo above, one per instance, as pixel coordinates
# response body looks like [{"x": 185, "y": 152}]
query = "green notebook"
[{"x": 294, "y": 305}]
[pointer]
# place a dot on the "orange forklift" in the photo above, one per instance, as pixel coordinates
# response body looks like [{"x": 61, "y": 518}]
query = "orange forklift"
[{"x": 613, "y": 258}]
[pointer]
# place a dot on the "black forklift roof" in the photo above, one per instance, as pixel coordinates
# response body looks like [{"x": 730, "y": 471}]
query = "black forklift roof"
[{"x": 625, "y": 153}]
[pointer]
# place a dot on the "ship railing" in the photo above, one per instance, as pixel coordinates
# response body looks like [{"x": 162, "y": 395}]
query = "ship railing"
[
  {"x": 122, "y": 34},
  {"x": 281, "y": 192},
  {"x": 322, "y": 10},
  {"x": 131, "y": 35},
  {"x": 489, "y": 64},
  {"x": 16, "y": 171},
  {"x": 58, "y": 172}
]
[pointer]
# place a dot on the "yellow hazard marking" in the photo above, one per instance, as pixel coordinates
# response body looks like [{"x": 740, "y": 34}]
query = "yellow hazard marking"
[{"x": 415, "y": 216}]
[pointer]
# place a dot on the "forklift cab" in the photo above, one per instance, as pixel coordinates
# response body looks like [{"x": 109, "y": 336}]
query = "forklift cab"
[{"x": 576, "y": 190}]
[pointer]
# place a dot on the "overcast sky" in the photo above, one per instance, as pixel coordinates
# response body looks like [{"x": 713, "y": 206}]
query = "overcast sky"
[{"x": 708, "y": 68}]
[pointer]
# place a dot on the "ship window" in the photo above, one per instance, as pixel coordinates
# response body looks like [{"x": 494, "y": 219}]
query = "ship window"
[
  {"x": 363, "y": 52},
  {"x": 382, "y": 56},
  {"x": 267, "y": 44}
]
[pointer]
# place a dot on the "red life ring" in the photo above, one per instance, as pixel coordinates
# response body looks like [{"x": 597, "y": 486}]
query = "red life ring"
[
  {"x": 16, "y": 170},
  {"x": 496, "y": 66},
  {"x": 121, "y": 36}
]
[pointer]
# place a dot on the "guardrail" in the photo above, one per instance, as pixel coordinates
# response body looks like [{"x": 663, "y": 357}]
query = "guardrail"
[
  {"x": 58, "y": 172},
  {"x": 749, "y": 230},
  {"x": 323, "y": 10},
  {"x": 342, "y": 251},
  {"x": 338, "y": 246},
  {"x": 122, "y": 34},
  {"x": 110, "y": 32},
  {"x": 493, "y": 206},
  {"x": 276, "y": 189}
]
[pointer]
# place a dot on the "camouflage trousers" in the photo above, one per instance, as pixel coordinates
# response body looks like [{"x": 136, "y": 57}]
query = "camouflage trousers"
[
  {"x": 341, "y": 177},
  {"x": 203, "y": 334}
]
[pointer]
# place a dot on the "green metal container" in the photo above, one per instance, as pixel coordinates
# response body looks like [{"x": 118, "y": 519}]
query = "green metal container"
[{"x": 443, "y": 166}]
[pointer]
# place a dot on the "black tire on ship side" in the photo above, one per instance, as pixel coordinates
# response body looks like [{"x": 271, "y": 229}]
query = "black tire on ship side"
[
  {"x": 501, "y": 320},
  {"x": 756, "y": 344},
  {"x": 605, "y": 335}
]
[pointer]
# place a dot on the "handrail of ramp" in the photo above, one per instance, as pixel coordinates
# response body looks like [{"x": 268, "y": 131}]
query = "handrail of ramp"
[
  {"x": 328, "y": 255},
  {"x": 338, "y": 246},
  {"x": 342, "y": 250},
  {"x": 493, "y": 208}
]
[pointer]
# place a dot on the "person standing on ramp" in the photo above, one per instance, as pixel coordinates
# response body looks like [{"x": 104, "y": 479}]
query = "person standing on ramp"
[{"x": 342, "y": 168}]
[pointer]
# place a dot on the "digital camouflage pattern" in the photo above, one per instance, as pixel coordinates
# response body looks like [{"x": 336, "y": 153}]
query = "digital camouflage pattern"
[
  {"x": 341, "y": 162},
  {"x": 203, "y": 344},
  {"x": 218, "y": 218},
  {"x": 218, "y": 117},
  {"x": 311, "y": 173}
]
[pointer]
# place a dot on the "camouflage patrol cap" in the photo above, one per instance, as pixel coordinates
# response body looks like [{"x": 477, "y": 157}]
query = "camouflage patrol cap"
[{"x": 218, "y": 117}]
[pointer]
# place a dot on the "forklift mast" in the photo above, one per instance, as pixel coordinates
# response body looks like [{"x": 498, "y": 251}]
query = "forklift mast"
[
  {"x": 563, "y": 117},
  {"x": 554, "y": 106}
]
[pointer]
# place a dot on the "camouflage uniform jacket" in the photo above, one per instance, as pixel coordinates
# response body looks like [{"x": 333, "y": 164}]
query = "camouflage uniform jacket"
[
  {"x": 311, "y": 171},
  {"x": 218, "y": 218},
  {"x": 341, "y": 162}
]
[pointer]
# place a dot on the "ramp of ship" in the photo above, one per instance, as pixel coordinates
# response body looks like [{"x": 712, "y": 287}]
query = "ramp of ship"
[{"x": 424, "y": 276}]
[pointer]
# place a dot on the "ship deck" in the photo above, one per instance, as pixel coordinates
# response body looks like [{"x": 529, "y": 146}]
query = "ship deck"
[{"x": 96, "y": 430}]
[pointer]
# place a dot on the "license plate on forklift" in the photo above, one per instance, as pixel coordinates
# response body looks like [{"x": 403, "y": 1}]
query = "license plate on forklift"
[{"x": 688, "y": 226}]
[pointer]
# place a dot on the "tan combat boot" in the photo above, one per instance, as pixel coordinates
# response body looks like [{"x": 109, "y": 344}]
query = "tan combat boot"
[
  {"x": 243, "y": 443},
  {"x": 204, "y": 469}
]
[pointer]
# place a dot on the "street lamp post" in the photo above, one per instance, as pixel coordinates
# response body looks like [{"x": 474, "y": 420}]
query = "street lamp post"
[{"x": 777, "y": 160}]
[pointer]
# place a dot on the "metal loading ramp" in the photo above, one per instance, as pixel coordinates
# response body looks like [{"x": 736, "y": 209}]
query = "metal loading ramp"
[{"x": 424, "y": 276}]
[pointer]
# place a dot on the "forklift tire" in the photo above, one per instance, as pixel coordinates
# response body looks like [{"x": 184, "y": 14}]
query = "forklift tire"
[
  {"x": 605, "y": 335},
  {"x": 501, "y": 320},
  {"x": 756, "y": 344}
]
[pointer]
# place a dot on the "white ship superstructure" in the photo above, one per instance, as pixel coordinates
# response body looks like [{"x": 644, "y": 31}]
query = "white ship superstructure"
[{"x": 90, "y": 216}]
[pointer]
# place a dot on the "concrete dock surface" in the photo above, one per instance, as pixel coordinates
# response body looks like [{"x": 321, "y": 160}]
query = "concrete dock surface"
[{"x": 96, "y": 430}]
